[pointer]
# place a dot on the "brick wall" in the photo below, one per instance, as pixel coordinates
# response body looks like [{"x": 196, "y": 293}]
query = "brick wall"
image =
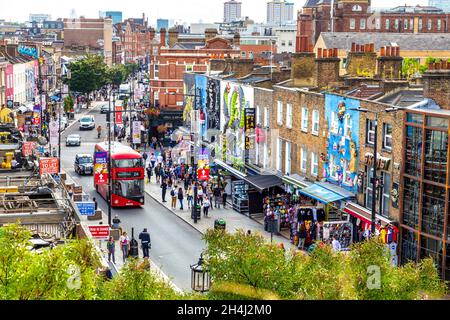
[
  {"x": 264, "y": 99},
  {"x": 303, "y": 68},
  {"x": 327, "y": 71},
  {"x": 359, "y": 63},
  {"x": 436, "y": 85}
]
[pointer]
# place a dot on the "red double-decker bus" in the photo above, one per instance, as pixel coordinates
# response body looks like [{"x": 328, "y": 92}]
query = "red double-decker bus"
[{"x": 127, "y": 176}]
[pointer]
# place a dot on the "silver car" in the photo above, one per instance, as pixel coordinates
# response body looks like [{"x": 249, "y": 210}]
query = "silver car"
[
  {"x": 87, "y": 122},
  {"x": 73, "y": 140}
]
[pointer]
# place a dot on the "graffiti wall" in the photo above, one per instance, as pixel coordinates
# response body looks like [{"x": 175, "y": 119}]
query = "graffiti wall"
[
  {"x": 189, "y": 99},
  {"x": 213, "y": 104},
  {"x": 341, "y": 165},
  {"x": 235, "y": 98},
  {"x": 201, "y": 83}
]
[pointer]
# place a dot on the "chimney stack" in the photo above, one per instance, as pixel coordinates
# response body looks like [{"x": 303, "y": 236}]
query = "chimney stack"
[
  {"x": 210, "y": 34},
  {"x": 152, "y": 33},
  {"x": 362, "y": 60},
  {"x": 436, "y": 83},
  {"x": 237, "y": 39},
  {"x": 303, "y": 63},
  {"x": 389, "y": 63},
  {"x": 162, "y": 35},
  {"x": 326, "y": 67},
  {"x": 173, "y": 36}
]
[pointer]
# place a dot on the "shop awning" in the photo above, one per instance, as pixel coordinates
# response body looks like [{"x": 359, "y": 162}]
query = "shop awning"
[
  {"x": 296, "y": 180},
  {"x": 364, "y": 214},
  {"x": 326, "y": 192},
  {"x": 230, "y": 169},
  {"x": 262, "y": 182}
]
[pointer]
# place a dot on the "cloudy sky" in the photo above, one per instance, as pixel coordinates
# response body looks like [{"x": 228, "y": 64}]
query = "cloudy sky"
[{"x": 178, "y": 10}]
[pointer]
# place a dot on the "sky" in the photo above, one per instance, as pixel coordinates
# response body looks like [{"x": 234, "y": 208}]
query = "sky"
[{"x": 177, "y": 10}]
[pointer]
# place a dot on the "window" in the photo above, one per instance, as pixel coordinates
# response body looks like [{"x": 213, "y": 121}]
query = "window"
[
  {"x": 315, "y": 122},
  {"x": 128, "y": 163},
  {"x": 288, "y": 158},
  {"x": 362, "y": 23},
  {"x": 387, "y": 136},
  {"x": 420, "y": 24},
  {"x": 304, "y": 120},
  {"x": 405, "y": 24},
  {"x": 314, "y": 164},
  {"x": 430, "y": 24},
  {"x": 411, "y": 24},
  {"x": 290, "y": 43},
  {"x": 303, "y": 159},
  {"x": 352, "y": 24},
  {"x": 413, "y": 151},
  {"x": 396, "y": 24},
  {"x": 436, "y": 146},
  {"x": 258, "y": 115},
  {"x": 279, "y": 153},
  {"x": 333, "y": 167},
  {"x": 370, "y": 129},
  {"x": 387, "y": 24},
  {"x": 280, "y": 113},
  {"x": 386, "y": 202},
  {"x": 250, "y": 55},
  {"x": 439, "y": 24},
  {"x": 266, "y": 117},
  {"x": 435, "y": 122},
  {"x": 156, "y": 71},
  {"x": 289, "y": 116},
  {"x": 356, "y": 8},
  {"x": 378, "y": 23},
  {"x": 346, "y": 178},
  {"x": 283, "y": 43},
  {"x": 129, "y": 188},
  {"x": 334, "y": 123},
  {"x": 433, "y": 209}
]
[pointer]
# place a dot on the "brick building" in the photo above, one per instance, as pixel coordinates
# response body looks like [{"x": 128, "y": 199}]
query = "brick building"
[
  {"x": 176, "y": 56},
  {"x": 357, "y": 16}
]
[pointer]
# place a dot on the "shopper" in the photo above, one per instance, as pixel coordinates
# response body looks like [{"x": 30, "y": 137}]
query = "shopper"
[
  {"x": 200, "y": 194},
  {"x": 224, "y": 199},
  {"x": 158, "y": 173},
  {"x": 302, "y": 237},
  {"x": 95, "y": 203},
  {"x": 206, "y": 205},
  {"x": 336, "y": 244},
  {"x": 111, "y": 246},
  {"x": 124, "y": 245},
  {"x": 190, "y": 196},
  {"x": 153, "y": 160},
  {"x": 217, "y": 195},
  {"x": 146, "y": 243},
  {"x": 173, "y": 194},
  {"x": 149, "y": 173},
  {"x": 180, "y": 197},
  {"x": 145, "y": 156},
  {"x": 163, "y": 190}
]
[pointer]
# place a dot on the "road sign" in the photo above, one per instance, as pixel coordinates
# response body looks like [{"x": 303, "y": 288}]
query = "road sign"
[
  {"x": 48, "y": 165},
  {"x": 99, "y": 232},
  {"x": 101, "y": 168},
  {"x": 86, "y": 208},
  {"x": 119, "y": 115}
]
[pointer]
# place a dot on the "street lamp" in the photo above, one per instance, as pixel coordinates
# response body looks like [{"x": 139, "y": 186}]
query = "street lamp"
[
  {"x": 200, "y": 276},
  {"x": 374, "y": 166}
]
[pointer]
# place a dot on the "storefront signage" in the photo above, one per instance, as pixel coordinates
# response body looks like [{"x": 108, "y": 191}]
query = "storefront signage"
[
  {"x": 86, "y": 208},
  {"x": 99, "y": 232},
  {"x": 101, "y": 168},
  {"x": 137, "y": 132},
  {"x": 382, "y": 163},
  {"x": 54, "y": 132},
  {"x": 48, "y": 165},
  {"x": 119, "y": 115},
  {"x": 250, "y": 126}
]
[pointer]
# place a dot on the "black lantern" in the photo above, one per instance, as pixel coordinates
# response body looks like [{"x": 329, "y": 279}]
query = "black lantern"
[{"x": 200, "y": 277}]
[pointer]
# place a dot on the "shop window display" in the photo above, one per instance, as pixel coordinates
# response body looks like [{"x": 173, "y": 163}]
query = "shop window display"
[
  {"x": 433, "y": 208},
  {"x": 343, "y": 231}
]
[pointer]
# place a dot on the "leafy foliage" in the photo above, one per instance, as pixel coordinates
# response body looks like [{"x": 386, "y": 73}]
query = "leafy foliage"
[
  {"x": 246, "y": 267},
  {"x": 88, "y": 74}
]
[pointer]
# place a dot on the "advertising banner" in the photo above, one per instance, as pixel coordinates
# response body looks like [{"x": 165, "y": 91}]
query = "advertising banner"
[
  {"x": 28, "y": 148},
  {"x": 54, "y": 132},
  {"x": 119, "y": 115},
  {"x": 250, "y": 126},
  {"x": 101, "y": 168},
  {"x": 201, "y": 88},
  {"x": 213, "y": 104},
  {"x": 137, "y": 132},
  {"x": 48, "y": 165},
  {"x": 203, "y": 168}
]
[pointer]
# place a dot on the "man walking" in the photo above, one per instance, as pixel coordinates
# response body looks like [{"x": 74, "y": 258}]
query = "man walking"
[
  {"x": 173, "y": 194},
  {"x": 153, "y": 160},
  {"x": 163, "y": 190},
  {"x": 224, "y": 199},
  {"x": 217, "y": 197},
  {"x": 146, "y": 244}
]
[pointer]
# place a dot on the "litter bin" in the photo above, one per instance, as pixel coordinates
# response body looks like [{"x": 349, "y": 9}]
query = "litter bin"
[
  {"x": 196, "y": 213},
  {"x": 220, "y": 224},
  {"x": 134, "y": 246}
]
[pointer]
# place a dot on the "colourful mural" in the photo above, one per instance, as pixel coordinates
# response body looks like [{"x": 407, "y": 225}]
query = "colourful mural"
[
  {"x": 201, "y": 93},
  {"x": 213, "y": 104},
  {"x": 189, "y": 98},
  {"x": 341, "y": 164}
]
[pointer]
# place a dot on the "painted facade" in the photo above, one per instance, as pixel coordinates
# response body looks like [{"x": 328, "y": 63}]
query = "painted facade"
[
  {"x": 201, "y": 83},
  {"x": 341, "y": 164}
]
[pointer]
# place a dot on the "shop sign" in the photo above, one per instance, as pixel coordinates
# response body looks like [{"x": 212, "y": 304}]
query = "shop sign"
[
  {"x": 54, "y": 132},
  {"x": 99, "y": 232},
  {"x": 382, "y": 163},
  {"x": 119, "y": 115},
  {"x": 28, "y": 148},
  {"x": 137, "y": 132},
  {"x": 48, "y": 165},
  {"x": 101, "y": 168},
  {"x": 250, "y": 126}
]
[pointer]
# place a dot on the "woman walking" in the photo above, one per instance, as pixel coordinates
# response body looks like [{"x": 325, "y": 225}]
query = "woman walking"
[
  {"x": 206, "y": 205},
  {"x": 124, "y": 245},
  {"x": 190, "y": 196},
  {"x": 111, "y": 246},
  {"x": 180, "y": 197}
]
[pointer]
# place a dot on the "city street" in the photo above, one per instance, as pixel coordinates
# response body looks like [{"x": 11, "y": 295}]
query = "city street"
[{"x": 175, "y": 244}]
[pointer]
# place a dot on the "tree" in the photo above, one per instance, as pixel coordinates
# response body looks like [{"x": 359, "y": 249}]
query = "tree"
[
  {"x": 117, "y": 74},
  {"x": 246, "y": 267},
  {"x": 88, "y": 74},
  {"x": 69, "y": 102},
  {"x": 410, "y": 67}
]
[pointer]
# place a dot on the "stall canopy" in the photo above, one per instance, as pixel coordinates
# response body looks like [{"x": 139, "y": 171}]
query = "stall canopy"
[
  {"x": 262, "y": 182},
  {"x": 230, "y": 169},
  {"x": 296, "y": 180},
  {"x": 364, "y": 214},
  {"x": 326, "y": 192}
]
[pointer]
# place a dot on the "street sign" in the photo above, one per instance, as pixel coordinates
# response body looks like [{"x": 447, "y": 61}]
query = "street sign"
[
  {"x": 86, "y": 208},
  {"x": 119, "y": 115},
  {"x": 101, "y": 168},
  {"x": 48, "y": 165},
  {"x": 54, "y": 132},
  {"x": 99, "y": 232}
]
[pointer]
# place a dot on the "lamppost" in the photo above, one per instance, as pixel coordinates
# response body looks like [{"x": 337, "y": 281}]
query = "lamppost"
[
  {"x": 109, "y": 151},
  {"x": 200, "y": 276},
  {"x": 374, "y": 165}
]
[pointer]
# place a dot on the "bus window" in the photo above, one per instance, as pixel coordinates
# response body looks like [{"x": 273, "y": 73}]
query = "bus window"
[
  {"x": 130, "y": 188},
  {"x": 128, "y": 163}
]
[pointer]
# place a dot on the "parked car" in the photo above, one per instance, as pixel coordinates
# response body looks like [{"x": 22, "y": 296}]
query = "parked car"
[
  {"x": 73, "y": 140},
  {"x": 104, "y": 108},
  {"x": 87, "y": 122},
  {"x": 64, "y": 122},
  {"x": 84, "y": 164}
]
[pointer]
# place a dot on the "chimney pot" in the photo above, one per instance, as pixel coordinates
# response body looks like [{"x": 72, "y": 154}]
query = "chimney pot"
[
  {"x": 383, "y": 51},
  {"x": 335, "y": 52},
  {"x": 437, "y": 66},
  {"x": 311, "y": 48},
  {"x": 388, "y": 51},
  {"x": 357, "y": 47},
  {"x": 353, "y": 47},
  {"x": 398, "y": 51},
  {"x": 319, "y": 52},
  {"x": 372, "y": 47},
  {"x": 431, "y": 66}
]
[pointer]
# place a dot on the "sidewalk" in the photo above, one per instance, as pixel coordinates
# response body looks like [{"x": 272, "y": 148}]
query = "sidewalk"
[{"x": 234, "y": 220}]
